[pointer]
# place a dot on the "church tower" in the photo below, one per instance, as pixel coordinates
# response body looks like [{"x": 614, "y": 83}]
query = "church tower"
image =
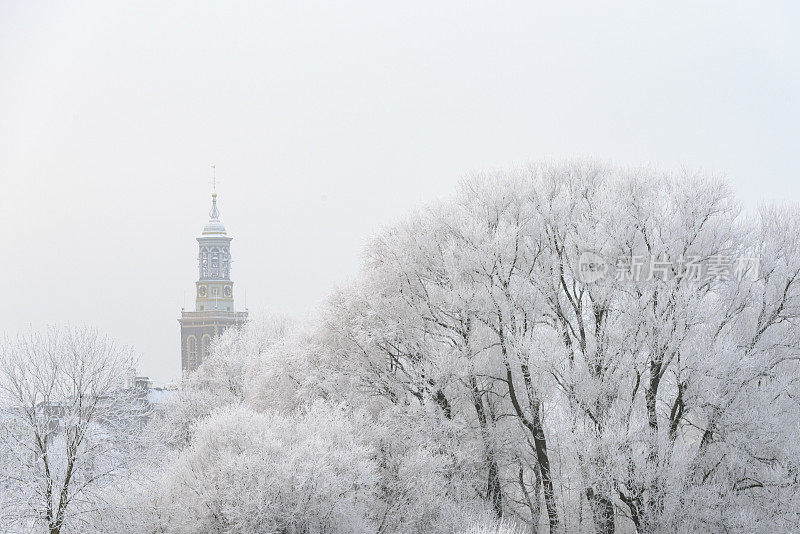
[{"x": 214, "y": 311}]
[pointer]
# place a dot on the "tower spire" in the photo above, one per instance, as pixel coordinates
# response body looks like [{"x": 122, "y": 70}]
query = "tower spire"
[{"x": 214, "y": 213}]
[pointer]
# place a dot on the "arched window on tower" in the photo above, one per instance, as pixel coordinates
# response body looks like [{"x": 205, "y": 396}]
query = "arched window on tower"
[
  {"x": 191, "y": 345},
  {"x": 225, "y": 262},
  {"x": 215, "y": 262},
  {"x": 204, "y": 263},
  {"x": 206, "y": 347}
]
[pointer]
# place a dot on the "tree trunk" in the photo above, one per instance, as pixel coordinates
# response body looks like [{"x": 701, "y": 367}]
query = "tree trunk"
[
  {"x": 493, "y": 491},
  {"x": 651, "y": 393},
  {"x": 654, "y": 499},
  {"x": 540, "y": 443},
  {"x": 534, "y": 426},
  {"x": 602, "y": 511}
]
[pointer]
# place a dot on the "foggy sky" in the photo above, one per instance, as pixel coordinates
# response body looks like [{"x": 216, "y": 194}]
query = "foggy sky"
[{"x": 327, "y": 122}]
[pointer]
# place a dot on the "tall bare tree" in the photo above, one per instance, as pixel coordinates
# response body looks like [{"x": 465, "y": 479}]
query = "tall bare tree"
[{"x": 68, "y": 427}]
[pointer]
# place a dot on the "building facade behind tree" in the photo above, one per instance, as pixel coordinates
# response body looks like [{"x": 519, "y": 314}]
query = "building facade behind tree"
[{"x": 214, "y": 309}]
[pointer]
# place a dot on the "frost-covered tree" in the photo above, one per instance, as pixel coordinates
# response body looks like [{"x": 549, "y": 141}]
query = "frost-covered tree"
[
  {"x": 617, "y": 387},
  {"x": 269, "y": 472},
  {"x": 68, "y": 427},
  {"x": 289, "y": 443},
  {"x": 236, "y": 360}
]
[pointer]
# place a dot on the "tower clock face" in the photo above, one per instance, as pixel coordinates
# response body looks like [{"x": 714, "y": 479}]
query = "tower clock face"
[
  {"x": 227, "y": 291},
  {"x": 201, "y": 290}
]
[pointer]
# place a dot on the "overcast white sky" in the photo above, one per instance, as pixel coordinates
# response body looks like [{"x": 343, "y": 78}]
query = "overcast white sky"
[{"x": 328, "y": 121}]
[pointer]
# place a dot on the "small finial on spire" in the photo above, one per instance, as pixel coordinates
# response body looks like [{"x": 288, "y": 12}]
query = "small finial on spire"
[{"x": 214, "y": 213}]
